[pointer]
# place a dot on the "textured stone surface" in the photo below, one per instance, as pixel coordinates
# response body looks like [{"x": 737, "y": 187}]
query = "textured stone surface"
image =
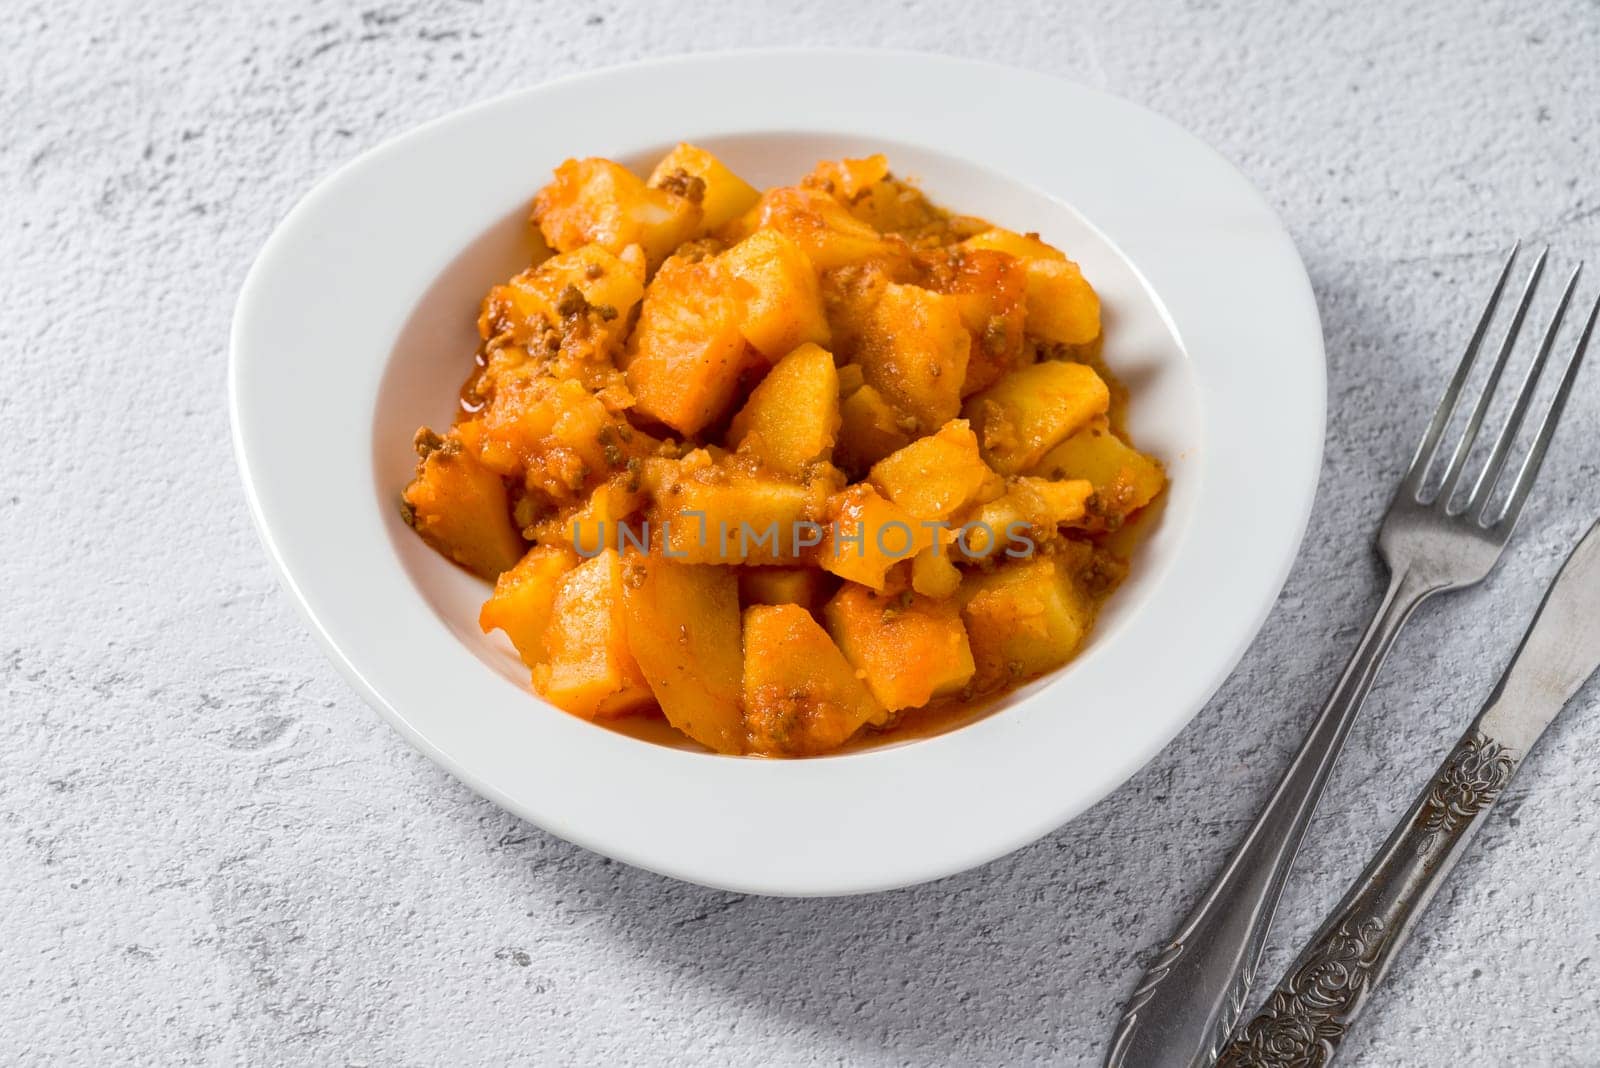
[{"x": 212, "y": 851}]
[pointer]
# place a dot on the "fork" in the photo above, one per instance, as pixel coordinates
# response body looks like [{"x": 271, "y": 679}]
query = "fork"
[{"x": 1192, "y": 994}]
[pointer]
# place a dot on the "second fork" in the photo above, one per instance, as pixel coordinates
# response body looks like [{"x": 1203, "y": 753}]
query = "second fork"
[{"x": 1194, "y": 992}]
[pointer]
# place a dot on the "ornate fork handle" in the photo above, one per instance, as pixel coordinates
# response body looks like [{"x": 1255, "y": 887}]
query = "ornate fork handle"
[
  {"x": 1308, "y": 1015},
  {"x": 1185, "y": 1007},
  {"x": 1194, "y": 992}
]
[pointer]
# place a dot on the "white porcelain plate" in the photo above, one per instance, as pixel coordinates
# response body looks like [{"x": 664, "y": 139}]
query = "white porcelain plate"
[{"x": 356, "y": 326}]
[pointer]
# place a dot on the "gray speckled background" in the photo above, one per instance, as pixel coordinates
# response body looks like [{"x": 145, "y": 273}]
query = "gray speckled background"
[{"x": 212, "y": 851}]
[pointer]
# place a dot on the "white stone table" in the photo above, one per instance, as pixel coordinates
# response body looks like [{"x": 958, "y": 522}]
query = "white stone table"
[{"x": 212, "y": 851}]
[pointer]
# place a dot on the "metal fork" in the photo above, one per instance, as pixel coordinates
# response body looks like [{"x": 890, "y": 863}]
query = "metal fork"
[{"x": 1192, "y": 995}]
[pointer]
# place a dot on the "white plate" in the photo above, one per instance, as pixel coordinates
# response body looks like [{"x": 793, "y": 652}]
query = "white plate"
[{"x": 356, "y": 325}]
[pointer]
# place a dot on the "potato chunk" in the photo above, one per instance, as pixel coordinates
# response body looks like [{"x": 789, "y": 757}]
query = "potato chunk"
[
  {"x": 685, "y": 356},
  {"x": 683, "y": 629},
  {"x": 846, "y": 179},
  {"x": 781, "y": 585},
  {"x": 1026, "y": 617},
  {"x": 606, "y": 520},
  {"x": 990, "y": 290},
  {"x": 867, "y": 535},
  {"x": 776, "y": 287},
  {"x": 1026, "y": 516},
  {"x": 869, "y": 428},
  {"x": 913, "y": 350},
  {"x": 1124, "y": 478},
  {"x": 849, "y": 294},
  {"x": 460, "y": 507},
  {"x": 596, "y": 200},
  {"x": 801, "y": 696},
  {"x": 829, "y": 235},
  {"x": 894, "y": 207},
  {"x": 910, "y": 649},
  {"x": 792, "y": 418},
  {"x": 524, "y": 599},
  {"x": 724, "y": 196},
  {"x": 1062, "y": 306},
  {"x": 590, "y": 670},
  {"x": 552, "y": 433},
  {"x": 706, "y": 512},
  {"x": 934, "y": 574},
  {"x": 850, "y": 379},
  {"x": 540, "y": 301},
  {"x": 936, "y": 476},
  {"x": 1026, "y": 413},
  {"x": 1025, "y": 247}
]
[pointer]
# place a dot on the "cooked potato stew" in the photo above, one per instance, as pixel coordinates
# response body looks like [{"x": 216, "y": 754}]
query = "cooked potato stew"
[{"x": 782, "y": 467}]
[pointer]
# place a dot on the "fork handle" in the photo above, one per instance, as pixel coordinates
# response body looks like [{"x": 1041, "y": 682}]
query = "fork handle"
[
  {"x": 1308, "y": 1015},
  {"x": 1191, "y": 996}
]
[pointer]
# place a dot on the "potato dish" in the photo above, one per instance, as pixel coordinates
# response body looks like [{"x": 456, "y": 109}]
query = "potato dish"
[{"x": 783, "y": 467}]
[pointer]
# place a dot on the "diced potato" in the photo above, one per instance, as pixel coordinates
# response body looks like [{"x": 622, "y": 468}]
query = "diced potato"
[
  {"x": 850, "y": 379},
  {"x": 537, "y": 302},
  {"x": 524, "y": 599},
  {"x": 709, "y": 513},
  {"x": 554, "y": 434},
  {"x": 582, "y": 350},
  {"x": 914, "y": 351},
  {"x": 607, "y": 520},
  {"x": 1029, "y": 411},
  {"x": 990, "y": 289},
  {"x": 829, "y": 235},
  {"x": 848, "y": 297},
  {"x": 1024, "y": 618},
  {"x": 1050, "y": 502},
  {"x": 868, "y": 535},
  {"x": 724, "y": 196},
  {"x": 936, "y": 476},
  {"x": 1022, "y": 246},
  {"x": 869, "y": 428},
  {"x": 683, "y": 629},
  {"x": 590, "y": 670},
  {"x": 596, "y": 200},
  {"x": 934, "y": 574},
  {"x": 801, "y": 696},
  {"x": 776, "y": 287},
  {"x": 1025, "y": 516},
  {"x": 1124, "y": 478},
  {"x": 910, "y": 649},
  {"x": 781, "y": 585},
  {"x": 685, "y": 356},
  {"x": 894, "y": 207},
  {"x": 847, "y": 179},
  {"x": 460, "y": 507},
  {"x": 1062, "y": 306},
  {"x": 792, "y": 418}
]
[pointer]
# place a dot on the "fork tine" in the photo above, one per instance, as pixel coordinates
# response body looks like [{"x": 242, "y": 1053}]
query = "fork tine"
[
  {"x": 1458, "y": 460},
  {"x": 1547, "y": 429},
  {"x": 1483, "y": 489},
  {"x": 1422, "y": 459}
]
